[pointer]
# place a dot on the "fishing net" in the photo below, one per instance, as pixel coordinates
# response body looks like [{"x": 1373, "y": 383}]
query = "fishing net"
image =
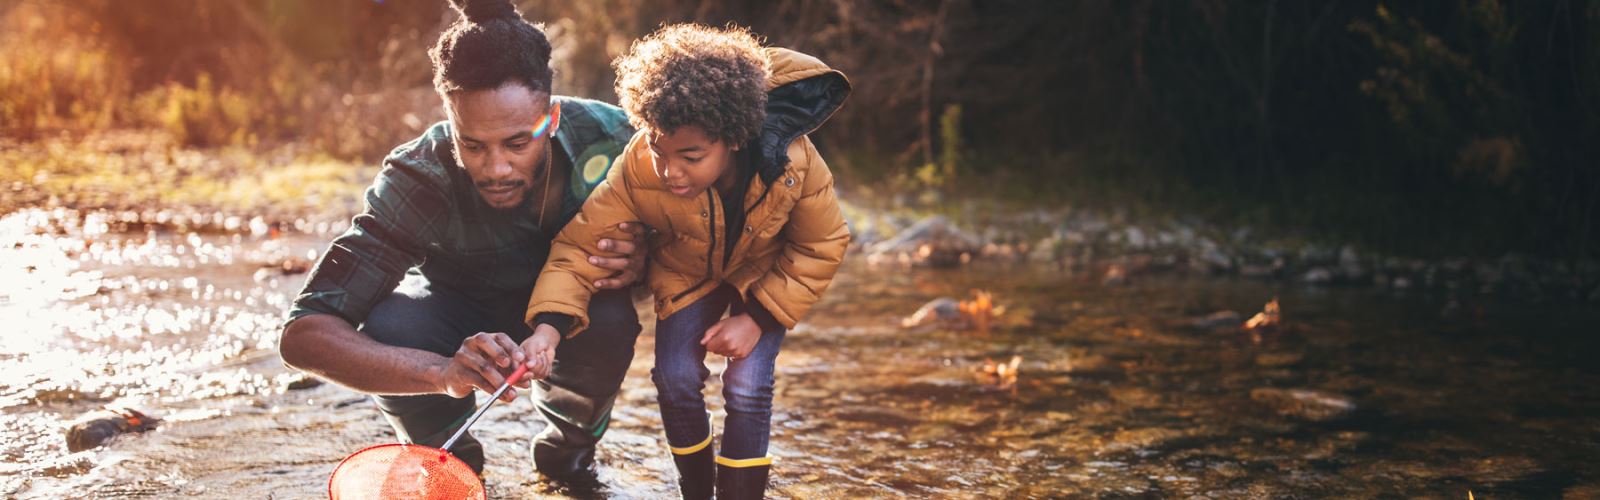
[{"x": 404, "y": 471}]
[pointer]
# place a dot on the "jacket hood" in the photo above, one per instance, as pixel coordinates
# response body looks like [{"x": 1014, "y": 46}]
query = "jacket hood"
[{"x": 802, "y": 93}]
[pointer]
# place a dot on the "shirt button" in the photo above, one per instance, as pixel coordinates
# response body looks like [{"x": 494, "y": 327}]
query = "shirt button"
[
  {"x": 703, "y": 214},
  {"x": 748, "y": 229}
]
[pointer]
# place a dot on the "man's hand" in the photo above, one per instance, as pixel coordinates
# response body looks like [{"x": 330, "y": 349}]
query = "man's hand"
[
  {"x": 540, "y": 351},
  {"x": 483, "y": 362},
  {"x": 733, "y": 337},
  {"x": 630, "y": 266}
]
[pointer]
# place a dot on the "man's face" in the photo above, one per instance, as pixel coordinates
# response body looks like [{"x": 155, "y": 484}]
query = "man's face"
[
  {"x": 689, "y": 162},
  {"x": 495, "y": 142}
]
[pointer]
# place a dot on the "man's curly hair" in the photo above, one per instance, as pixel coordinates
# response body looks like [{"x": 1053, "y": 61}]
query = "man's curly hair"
[
  {"x": 691, "y": 74},
  {"x": 489, "y": 46}
]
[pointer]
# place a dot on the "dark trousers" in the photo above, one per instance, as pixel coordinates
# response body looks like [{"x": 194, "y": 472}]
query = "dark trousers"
[{"x": 575, "y": 401}]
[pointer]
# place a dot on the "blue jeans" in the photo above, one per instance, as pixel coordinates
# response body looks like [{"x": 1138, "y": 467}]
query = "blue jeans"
[{"x": 680, "y": 374}]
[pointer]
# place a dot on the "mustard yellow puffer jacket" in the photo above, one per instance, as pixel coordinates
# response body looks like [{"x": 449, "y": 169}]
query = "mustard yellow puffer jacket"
[{"x": 791, "y": 246}]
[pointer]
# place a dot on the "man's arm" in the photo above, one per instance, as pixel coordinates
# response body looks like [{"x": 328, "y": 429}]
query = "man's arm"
[
  {"x": 329, "y": 347},
  {"x": 403, "y": 214},
  {"x": 574, "y": 270},
  {"x": 630, "y": 266}
]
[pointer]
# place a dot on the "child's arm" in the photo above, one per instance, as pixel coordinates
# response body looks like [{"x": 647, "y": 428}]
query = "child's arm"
[
  {"x": 815, "y": 242},
  {"x": 561, "y": 294}
]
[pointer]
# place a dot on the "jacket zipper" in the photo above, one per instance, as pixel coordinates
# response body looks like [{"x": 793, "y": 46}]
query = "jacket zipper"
[{"x": 711, "y": 250}]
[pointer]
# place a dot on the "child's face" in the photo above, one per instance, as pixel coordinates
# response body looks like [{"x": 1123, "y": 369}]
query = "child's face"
[{"x": 689, "y": 162}]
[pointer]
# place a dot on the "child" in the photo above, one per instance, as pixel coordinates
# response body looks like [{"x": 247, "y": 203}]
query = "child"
[{"x": 747, "y": 224}]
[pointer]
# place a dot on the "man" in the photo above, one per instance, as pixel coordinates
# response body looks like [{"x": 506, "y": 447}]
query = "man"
[{"x": 422, "y": 300}]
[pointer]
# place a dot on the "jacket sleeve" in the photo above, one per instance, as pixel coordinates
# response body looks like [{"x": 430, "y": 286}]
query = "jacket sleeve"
[
  {"x": 567, "y": 281},
  {"x": 401, "y": 217},
  {"x": 815, "y": 240}
]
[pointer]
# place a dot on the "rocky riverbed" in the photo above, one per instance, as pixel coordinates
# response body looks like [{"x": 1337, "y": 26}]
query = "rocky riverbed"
[{"x": 1086, "y": 381}]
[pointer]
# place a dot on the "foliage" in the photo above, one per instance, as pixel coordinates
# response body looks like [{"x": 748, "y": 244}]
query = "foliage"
[{"x": 1462, "y": 126}]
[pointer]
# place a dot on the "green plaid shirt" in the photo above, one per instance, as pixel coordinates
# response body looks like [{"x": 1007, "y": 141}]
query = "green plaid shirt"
[{"x": 424, "y": 216}]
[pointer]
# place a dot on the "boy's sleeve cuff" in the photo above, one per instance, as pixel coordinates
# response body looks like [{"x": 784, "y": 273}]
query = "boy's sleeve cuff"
[
  {"x": 561, "y": 322},
  {"x": 761, "y": 315}
]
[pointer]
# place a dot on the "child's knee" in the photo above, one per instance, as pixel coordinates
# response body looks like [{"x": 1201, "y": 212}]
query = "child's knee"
[
  {"x": 679, "y": 382},
  {"x": 747, "y": 393}
]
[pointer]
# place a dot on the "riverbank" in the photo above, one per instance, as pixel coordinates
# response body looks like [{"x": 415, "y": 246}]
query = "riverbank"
[{"x": 1115, "y": 389}]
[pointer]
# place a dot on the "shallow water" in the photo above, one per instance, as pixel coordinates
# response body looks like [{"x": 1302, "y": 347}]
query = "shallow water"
[{"x": 1116, "y": 394}]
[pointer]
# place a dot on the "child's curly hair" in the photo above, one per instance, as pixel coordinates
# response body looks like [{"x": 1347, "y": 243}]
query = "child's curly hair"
[{"x": 691, "y": 74}]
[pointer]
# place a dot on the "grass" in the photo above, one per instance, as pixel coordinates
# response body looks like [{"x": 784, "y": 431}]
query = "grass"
[{"x": 146, "y": 169}]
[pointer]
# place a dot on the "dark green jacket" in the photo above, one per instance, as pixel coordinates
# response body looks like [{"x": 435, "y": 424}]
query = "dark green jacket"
[{"x": 423, "y": 215}]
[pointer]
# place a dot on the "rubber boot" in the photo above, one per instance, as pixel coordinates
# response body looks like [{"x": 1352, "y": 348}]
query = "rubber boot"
[
  {"x": 742, "y": 479},
  {"x": 430, "y": 420},
  {"x": 697, "y": 470}
]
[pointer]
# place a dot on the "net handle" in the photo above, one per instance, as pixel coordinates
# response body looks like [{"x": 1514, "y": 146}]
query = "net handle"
[{"x": 515, "y": 376}]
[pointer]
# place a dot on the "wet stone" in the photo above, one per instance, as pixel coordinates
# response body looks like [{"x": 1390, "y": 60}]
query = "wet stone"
[
  {"x": 1141, "y": 439},
  {"x": 877, "y": 415},
  {"x": 1220, "y": 320},
  {"x": 933, "y": 241},
  {"x": 1278, "y": 359},
  {"x": 99, "y": 427},
  {"x": 1317, "y": 276},
  {"x": 302, "y": 381},
  {"x": 76, "y": 463},
  {"x": 1587, "y": 490},
  {"x": 1304, "y": 404}
]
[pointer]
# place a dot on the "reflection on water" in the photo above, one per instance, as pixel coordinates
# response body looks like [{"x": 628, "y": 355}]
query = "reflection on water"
[{"x": 1115, "y": 393}]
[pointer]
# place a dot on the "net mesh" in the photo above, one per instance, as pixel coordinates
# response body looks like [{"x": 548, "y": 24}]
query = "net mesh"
[{"x": 404, "y": 471}]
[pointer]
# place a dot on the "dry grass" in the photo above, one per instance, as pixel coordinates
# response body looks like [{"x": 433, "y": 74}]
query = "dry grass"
[{"x": 139, "y": 170}]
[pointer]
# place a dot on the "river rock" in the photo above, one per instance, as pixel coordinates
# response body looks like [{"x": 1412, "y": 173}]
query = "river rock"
[
  {"x": 1256, "y": 271},
  {"x": 1220, "y": 320},
  {"x": 1304, "y": 404},
  {"x": 1278, "y": 359},
  {"x": 302, "y": 381},
  {"x": 1116, "y": 275},
  {"x": 941, "y": 312},
  {"x": 1316, "y": 255},
  {"x": 1047, "y": 251},
  {"x": 1211, "y": 259},
  {"x": 933, "y": 241},
  {"x": 97, "y": 427},
  {"x": 1135, "y": 237},
  {"x": 1317, "y": 276},
  {"x": 70, "y": 465}
]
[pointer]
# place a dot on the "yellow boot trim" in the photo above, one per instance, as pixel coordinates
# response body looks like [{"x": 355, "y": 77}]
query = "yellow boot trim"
[
  {"x": 746, "y": 462},
  {"x": 691, "y": 449}
]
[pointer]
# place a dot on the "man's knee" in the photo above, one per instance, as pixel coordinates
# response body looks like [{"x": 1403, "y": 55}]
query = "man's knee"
[
  {"x": 611, "y": 314},
  {"x": 405, "y": 321}
]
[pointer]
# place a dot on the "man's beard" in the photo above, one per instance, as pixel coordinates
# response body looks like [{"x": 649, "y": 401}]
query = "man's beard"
[
  {"x": 492, "y": 185},
  {"x": 518, "y": 186}
]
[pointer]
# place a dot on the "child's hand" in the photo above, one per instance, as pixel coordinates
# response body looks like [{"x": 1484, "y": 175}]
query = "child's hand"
[
  {"x": 540, "y": 351},
  {"x": 733, "y": 337}
]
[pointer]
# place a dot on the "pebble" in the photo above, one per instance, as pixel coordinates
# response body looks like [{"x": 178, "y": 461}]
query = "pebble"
[
  {"x": 1220, "y": 320},
  {"x": 98, "y": 427},
  {"x": 1304, "y": 404}
]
